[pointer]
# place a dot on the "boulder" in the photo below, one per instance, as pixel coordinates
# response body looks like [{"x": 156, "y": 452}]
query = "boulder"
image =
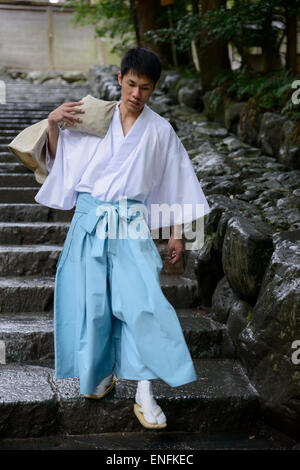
[
  {"x": 267, "y": 345},
  {"x": 189, "y": 93},
  {"x": 168, "y": 83},
  {"x": 232, "y": 115},
  {"x": 222, "y": 300},
  {"x": 289, "y": 148},
  {"x": 37, "y": 76},
  {"x": 214, "y": 105},
  {"x": 249, "y": 125},
  {"x": 238, "y": 208},
  {"x": 270, "y": 132},
  {"x": 74, "y": 76},
  {"x": 234, "y": 144},
  {"x": 247, "y": 249},
  {"x": 55, "y": 81},
  {"x": 104, "y": 82},
  {"x": 209, "y": 162},
  {"x": 160, "y": 103},
  {"x": 240, "y": 314},
  {"x": 205, "y": 266},
  {"x": 222, "y": 184},
  {"x": 16, "y": 74}
]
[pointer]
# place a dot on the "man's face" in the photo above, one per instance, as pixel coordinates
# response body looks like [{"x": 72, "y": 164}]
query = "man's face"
[{"x": 135, "y": 90}]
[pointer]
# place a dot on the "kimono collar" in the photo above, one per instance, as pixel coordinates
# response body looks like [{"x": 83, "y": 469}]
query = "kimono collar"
[{"x": 133, "y": 136}]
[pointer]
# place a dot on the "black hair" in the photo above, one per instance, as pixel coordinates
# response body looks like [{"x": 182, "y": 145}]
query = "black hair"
[{"x": 142, "y": 61}]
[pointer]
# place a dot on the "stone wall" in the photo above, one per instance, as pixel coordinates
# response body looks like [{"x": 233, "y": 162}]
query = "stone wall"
[
  {"x": 272, "y": 132},
  {"x": 258, "y": 295},
  {"x": 42, "y": 37}
]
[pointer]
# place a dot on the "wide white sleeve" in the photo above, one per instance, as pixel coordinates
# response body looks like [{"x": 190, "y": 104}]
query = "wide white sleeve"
[
  {"x": 176, "y": 197},
  {"x": 49, "y": 161},
  {"x": 73, "y": 153}
]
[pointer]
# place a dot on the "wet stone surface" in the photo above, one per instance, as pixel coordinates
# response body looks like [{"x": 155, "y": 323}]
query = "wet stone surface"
[
  {"x": 30, "y": 337},
  {"x": 246, "y": 189},
  {"x": 34, "y": 404},
  {"x": 151, "y": 441}
]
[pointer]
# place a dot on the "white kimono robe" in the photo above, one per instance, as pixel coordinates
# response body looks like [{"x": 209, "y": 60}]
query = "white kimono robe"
[{"x": 149, "y": 164}]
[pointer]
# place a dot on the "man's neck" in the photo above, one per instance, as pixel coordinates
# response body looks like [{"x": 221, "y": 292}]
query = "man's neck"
[{"x": 126, "y": 114}]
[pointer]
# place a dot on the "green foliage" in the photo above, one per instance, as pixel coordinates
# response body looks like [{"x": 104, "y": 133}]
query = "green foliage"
[
  {"x": 215, "y": 99},
  {"x": 249, "y": 317},
  {"x": 268, "y": 92},
  {"x": 112, "y": 18},
  {"x": 117, "y": 19},
  {"x": 239, "y": 22}
]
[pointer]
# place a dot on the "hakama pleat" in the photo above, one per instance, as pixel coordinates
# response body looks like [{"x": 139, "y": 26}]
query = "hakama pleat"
[{"x": 110, "y": 313}]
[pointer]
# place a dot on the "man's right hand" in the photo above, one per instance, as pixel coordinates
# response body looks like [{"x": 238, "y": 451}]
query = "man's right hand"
[{"x": 65, "y": 113}]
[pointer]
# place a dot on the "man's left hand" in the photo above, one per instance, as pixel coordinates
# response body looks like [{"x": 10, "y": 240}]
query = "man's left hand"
[{"x": 175, "y": 248}]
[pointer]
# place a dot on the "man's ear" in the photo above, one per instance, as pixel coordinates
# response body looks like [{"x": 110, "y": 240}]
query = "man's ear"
[{"x": 119, "y": 78}]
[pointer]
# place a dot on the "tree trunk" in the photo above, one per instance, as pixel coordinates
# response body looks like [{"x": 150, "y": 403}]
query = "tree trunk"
[
  {"x": 134, "y": 18},
  {"x": 270, "y": 44},
  {"x": 215, "y": 57},
  {"x": 291, "y": 35},
  {"x": 149, "y": 18}
]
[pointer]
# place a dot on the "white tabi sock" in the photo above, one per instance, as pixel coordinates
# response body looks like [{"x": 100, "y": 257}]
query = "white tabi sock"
[{"x": 144, "y": 398}]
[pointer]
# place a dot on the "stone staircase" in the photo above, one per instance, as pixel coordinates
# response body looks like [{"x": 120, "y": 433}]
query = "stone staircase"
[{"x": 32, "y": 403}]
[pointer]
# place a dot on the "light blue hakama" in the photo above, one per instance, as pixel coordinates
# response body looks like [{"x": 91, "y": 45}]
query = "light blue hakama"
[{"x": 110, "y": 314}]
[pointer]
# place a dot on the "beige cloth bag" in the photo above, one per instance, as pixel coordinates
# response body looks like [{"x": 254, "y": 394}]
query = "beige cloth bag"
[{"x": 29, "y": 146}]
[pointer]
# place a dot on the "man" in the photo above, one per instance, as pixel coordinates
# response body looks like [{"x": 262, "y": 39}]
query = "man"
[{"x": 110, "y": 315}]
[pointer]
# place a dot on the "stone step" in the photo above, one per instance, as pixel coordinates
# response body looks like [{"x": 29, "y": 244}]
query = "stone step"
[
  {"x": 27, "y": 114},
  {"x": 22, "y": 212},
  {"x": 7, "y": 132},
  {"x": 29, "y": 233},
  {"x": 4, "y": 148},
  {"x": 42, "y": 105},
  {"x": 41, "y": 232},
  {"x": 15, "y": 125},
  {"x": 19, "y": 110},
  {"x": 18, "y": 180},
  {"x": 35, "y": 294},
  {"x": 22, "y": 110},
  {"x": 29, "y": 337},
  {"x": 29, "y": 260},
  {"x": 26, "y": 294},
  {"x": 6, "y": 156},
  {"x": 13, "y": 167},
  {"x": 6, "y": 139},
  {"x": 34, "y": 404},
  {"x": 43, "y": 93},
  {"x": 26, "y": 337},
  {"x": 18, "y": 123},
  {"x": 160, "y": 444},
  {"x": 26, "y": 260},
  {"x": 34, "y": 104},
  {"x": 180, "y": 291},
  {"x": 16, "y": 194}
]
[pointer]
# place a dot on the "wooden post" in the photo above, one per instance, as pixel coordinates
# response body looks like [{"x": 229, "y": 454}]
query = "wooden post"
[
  {"x": 168, "y": 3},
  {"x": 50, "y": 36}
]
